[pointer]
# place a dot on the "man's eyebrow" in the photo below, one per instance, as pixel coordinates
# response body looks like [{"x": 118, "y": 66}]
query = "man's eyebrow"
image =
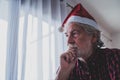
[
  {"x": 72, "y": 31},
  {"x": 76, "y": 30}
]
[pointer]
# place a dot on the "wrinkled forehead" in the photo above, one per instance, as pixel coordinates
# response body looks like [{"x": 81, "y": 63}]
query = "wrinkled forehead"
[{"x": 73, "y": 26}]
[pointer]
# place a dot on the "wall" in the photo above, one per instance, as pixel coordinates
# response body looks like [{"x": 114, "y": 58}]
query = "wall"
[
  {"x": 116, "y": 40},
  {"x": 106, "y": 37}
]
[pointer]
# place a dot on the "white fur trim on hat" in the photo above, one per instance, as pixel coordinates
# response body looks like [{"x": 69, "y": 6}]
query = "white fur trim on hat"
[{"x": 83, "y": 20}]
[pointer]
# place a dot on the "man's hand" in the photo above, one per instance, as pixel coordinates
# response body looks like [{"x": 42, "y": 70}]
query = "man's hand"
[
  {"x": 67, "y": 63},
  {"x": 68, "y": 59}
]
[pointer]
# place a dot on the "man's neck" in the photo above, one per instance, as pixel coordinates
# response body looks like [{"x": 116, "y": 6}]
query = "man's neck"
[{"x": 85, "y": 58}]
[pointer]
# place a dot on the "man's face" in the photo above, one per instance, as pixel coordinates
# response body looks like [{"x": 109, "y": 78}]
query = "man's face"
[{"x": 77, "y": 36}]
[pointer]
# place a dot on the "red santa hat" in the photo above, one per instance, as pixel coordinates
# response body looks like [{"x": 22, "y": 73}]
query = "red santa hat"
[{"x": 79, "y": 14}]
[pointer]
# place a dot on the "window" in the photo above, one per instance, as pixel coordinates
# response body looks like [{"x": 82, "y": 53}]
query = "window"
[
  {"x": 39, "y": 42},
  {"x": 33, "y": 53},
  {"x": 3, "y": 47}
]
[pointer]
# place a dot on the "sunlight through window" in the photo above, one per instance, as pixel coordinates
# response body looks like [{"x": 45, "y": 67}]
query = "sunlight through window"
[{"x": 3, "y": 48}]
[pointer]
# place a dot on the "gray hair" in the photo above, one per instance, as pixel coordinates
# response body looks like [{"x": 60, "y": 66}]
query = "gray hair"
[{"x": 93, "y": 31}]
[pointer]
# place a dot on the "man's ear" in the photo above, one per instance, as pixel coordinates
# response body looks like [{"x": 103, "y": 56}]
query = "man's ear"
[{"x": 94, "y": 38}]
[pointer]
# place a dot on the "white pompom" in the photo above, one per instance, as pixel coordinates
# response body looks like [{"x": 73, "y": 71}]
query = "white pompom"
[{"x": 61, "y": 29}]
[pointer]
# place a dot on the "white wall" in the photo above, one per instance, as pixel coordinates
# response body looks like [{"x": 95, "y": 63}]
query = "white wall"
[
  {"x": 116, "y": 40},
  {"x": 106, "y": 37}
]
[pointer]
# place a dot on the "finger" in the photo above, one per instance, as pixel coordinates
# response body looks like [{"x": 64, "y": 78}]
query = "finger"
[
  {"x": 72, "y": 56},
  {"x": 73, "y": 49},
  {"x": 66, "y": 57},
  {"x": 74, "y": 60},
  {"x": 73, "y": 52}
]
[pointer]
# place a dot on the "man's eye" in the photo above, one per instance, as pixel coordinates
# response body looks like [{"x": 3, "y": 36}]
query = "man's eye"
[
  {"x": 66, "y": 35},
  {"x": 75, "y": 34}
]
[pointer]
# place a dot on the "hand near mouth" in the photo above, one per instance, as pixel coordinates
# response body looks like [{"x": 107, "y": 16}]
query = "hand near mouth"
[{"x": 67, "y": 63}]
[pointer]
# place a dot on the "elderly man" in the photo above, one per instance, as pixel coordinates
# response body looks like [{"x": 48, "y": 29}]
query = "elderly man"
[{"x": 85, "y": 59}]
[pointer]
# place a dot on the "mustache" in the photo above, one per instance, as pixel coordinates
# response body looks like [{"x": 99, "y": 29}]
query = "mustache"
[{"x": 72, "y": 46}]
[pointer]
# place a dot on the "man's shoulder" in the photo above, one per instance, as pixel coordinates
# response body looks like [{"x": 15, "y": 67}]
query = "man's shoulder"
[
  {"x": 110, "y": 51},
  {"x": 113, "y": 50}
]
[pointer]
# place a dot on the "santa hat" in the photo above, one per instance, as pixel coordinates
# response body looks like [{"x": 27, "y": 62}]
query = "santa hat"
[{"x": 79, "y": 14}]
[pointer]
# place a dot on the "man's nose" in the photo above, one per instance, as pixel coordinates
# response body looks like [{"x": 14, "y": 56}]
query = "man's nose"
[{"x": 71, "y": 40}]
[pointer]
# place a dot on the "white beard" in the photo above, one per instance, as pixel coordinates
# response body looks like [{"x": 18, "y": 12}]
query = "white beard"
[{"x": 81, "y": 53}]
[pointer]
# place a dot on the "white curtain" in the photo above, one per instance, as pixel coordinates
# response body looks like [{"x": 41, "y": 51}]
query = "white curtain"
[{"x": 33, "y": 42}]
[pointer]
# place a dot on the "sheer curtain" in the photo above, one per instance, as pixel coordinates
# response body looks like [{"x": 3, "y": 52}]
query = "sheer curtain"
[{"x": 33, "y": 43}]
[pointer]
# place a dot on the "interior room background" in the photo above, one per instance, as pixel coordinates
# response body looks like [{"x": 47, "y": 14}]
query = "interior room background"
[{"x": 30, "y": 43}]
